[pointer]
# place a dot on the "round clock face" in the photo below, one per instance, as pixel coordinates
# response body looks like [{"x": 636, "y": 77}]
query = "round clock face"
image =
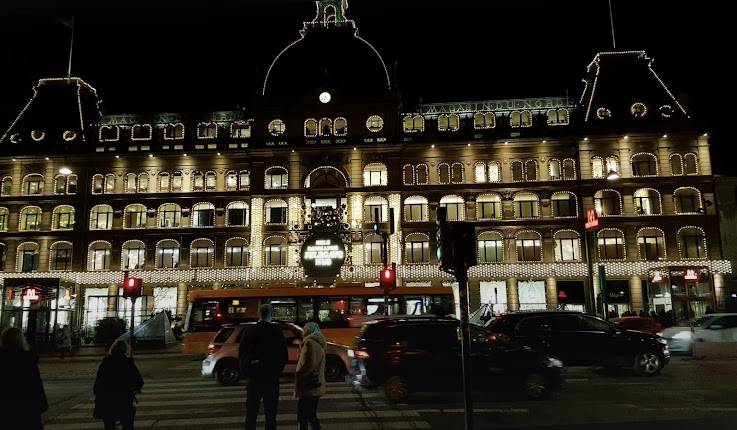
[{"x": 325, "y": 97}]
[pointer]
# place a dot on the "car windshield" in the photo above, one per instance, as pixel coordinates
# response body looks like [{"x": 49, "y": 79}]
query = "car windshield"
[
  {"x": 223, "y": 334},
  {"x": 703, "y": 321}
]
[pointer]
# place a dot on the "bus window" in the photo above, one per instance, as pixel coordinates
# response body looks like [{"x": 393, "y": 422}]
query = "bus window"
[
  {"x": 285, "y": 309},
  {"x": 331, "y": 311},
  {"x": 375, "y": 306},
  {"x": 203, "y": 316},
  {"x": 306, "y": 311},
  {"x": 358, "y": 306},
  {"x": 416, "y": 305},
  {"x": 443, "y": 303}
]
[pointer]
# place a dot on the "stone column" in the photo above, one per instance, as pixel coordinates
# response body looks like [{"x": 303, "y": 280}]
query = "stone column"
[
  {"x": 112, "y": 300},
  {"x": 182, "y": 302},
  {"x": 257, "y": 232},
  {"x": 719, "y": 293},
  {"x": 512, "y": 294},
  {"x": 636, "y": 300},
  {"x": 551, "y": 292}
]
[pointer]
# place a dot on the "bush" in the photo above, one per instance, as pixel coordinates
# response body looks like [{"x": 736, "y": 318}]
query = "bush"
[{"x": 109, "y": 329}]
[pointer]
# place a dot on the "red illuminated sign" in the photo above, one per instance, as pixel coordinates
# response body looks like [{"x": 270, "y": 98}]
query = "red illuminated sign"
[
  {"x": 691, "y": 275},
  {"x": 562, "y": 294},
  {"x": 592, "y": 220},
  {"x": 657, "y": 277},
  {"x": 31, "y": 294}
]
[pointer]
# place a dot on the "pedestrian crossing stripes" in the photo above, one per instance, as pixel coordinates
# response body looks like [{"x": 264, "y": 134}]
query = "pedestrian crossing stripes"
[{"x": 195, "y": 403}]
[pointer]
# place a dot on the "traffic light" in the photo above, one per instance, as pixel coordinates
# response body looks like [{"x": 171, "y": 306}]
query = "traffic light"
[
  {"x": 444, "y": 244},
  {"x": 456, "y": 244},
  {"x": 388, "y": 278},
  {"x": 132, "y": 286}
]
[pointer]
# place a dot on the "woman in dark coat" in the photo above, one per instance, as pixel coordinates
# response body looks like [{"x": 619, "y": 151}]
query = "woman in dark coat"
[
  {"x": 22, "y": 397},
  {"x": 116, "y": 385}
]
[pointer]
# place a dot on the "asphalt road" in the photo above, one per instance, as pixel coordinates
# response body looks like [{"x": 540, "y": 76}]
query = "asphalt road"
[{"x": 687, "y": 394}]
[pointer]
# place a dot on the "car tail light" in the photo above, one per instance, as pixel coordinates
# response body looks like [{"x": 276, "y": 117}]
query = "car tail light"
[
  {"x": 212, "y": 348},
  {"x": 361, "y": 353},
  {"x": 498, "y": 338}
]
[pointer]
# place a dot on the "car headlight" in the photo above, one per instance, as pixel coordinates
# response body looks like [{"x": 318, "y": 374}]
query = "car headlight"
[
  {"x": 553, "y": 362},
  {"x": 661, "y": 340},
  {"x": 682, "y": 335},
  {"x": 660, "y": 334}
]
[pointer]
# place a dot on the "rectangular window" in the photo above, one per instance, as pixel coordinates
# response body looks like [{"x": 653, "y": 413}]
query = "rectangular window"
[
  {"x": 490, "y": 210},
  {"x": 201, "y": 256},
  {"x": 277, "y": 215},
  {"x": 237, "y": 216},
  {"x": 567, "y": 249},
  {"x": 101, "y": 259},
  {"x": 33, "y": 187},
  {"x": 688, "y": 204},
  {"x": 61, "y": 259},
  {"x": 3, "y": 221},
  {"x": 611, "y": 248},
  {"x": 29, "y": 261},
  {"x": 415, "y": 212},
  {"x": 31, "y": 222},
  {"x": 134, "y": 258},
  {"x": 64, "y": 221},
  {"x": 236, "y": 256},
  {"x": 491, "y": 251},
  {"x": 373, "y": 253},
  {"x": 169, "y": 258},
  {"x": 455, "y": 211},
  {"x": 203, "y": 218},
  {"x": 651, "y": 247},
  {"x": 135, "y": 219},
  {"x": 528, "y": 250},
  {"x": 417, "y": 252},
  {"x": 169, "y": 219},
  {"x": 692, "y": 247},
  {"x": 275, "y": 255},
  {"x": 526, "y": 209},
  {"x": 277, "y": 181},
  {"x": 372, "y": 211}
]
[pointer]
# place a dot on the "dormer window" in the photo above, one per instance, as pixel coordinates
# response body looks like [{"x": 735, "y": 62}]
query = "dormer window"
[
  {"x": 558, "y": 116},
  {"x": 666, "y": 111},
  {"x": 520, "y": 119},
  {"x": 277, "y": 127},
  {"x": 414, "y": 124},
  {"x": 483, "y": 121},
  {"x": 375, "y": 123},
  {"x": 109, "y": 133},
  {"x": 310, "y": 127},
  {"x": 240, "y": 130},
  {"x": 326, "y": 127},
  {"x": 638, "y": 110},
  {"x": 174, "y": 131},
  {"x": 448, "y": 122},
  {"x": 340, "y": 126},
  {"x": 207, "y": 130},
  {"x": 141, "y": 132},
  {"x": 69, "y": 136},
  {"x": 37, "y": 135},
  {"x": 603, "y": 113},
  {"x": 15, "y": 138}
]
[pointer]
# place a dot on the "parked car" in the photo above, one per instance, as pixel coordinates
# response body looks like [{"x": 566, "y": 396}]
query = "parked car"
[
  {"x": 643, "y": 324},
  {"x": 424, "y": 354},
  {"x": 708, "y": 328},
  {"x": 222, "y": 353},
  {"x": 582, "y": 340}
]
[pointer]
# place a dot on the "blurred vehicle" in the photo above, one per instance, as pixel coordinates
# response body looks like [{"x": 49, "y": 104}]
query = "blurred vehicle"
[
  {"x": 424, "y": 354},
  {"x": 708, "y": 328},
  {"x": 222, "y": 357},
  {"x": 582, "y": 340},
  {"x": 643, "y": 324}
]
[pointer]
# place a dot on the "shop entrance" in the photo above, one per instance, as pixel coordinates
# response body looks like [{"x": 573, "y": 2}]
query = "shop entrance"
[{"x": 680, "y": 293}]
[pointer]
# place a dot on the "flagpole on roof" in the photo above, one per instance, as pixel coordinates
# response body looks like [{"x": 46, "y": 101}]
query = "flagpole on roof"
[
  {"x": 71, "y": 48},
  {"x": 611, "y": 22}
]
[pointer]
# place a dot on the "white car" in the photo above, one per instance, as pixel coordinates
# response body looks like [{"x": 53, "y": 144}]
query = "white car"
[{"x": 708, "y": 328}]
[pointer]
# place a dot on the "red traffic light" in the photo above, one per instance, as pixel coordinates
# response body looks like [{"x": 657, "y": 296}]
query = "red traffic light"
[
  {"x": 388, "y": 278},
  {"x": 132, "y": 286}
]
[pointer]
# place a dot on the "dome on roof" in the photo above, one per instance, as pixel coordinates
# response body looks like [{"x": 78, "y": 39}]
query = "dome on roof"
[{"x": 330, "y": 56}]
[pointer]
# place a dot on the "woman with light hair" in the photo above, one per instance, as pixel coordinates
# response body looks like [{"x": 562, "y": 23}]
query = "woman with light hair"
[
  {"x": 118, "y": 380},
  {"x": 22, "y": 405},
  {"x": 310, "y": 377}
]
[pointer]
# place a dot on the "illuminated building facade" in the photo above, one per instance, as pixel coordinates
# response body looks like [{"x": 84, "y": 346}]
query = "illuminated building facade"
[{"x": 216, "y": 200}]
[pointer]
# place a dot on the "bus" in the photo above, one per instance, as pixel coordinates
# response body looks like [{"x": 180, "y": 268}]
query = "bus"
[{"x": 340, "y": 311}]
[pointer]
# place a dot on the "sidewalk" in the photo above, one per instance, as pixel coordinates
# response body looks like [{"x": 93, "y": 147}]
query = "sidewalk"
[{"x": 95, "y": 352}]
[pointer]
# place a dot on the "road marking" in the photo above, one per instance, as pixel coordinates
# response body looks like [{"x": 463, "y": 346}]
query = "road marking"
[{"x": 475, "y": 410}]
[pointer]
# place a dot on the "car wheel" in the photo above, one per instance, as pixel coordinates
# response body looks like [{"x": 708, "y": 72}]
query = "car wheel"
[
  {"x": 396, "y": 389},
  {"x": 536, "y": 387},
  {"x": 228, "y": 374},
  {"x": 334, "y": 369},
  {"x": 647, "y": 363}
]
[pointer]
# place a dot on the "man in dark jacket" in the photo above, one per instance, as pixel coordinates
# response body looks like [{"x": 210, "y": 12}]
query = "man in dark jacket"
[{"x": 263, "y": 355}]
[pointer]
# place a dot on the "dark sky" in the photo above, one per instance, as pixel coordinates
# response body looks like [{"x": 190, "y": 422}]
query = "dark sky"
[{"x": 176, "y": 56}]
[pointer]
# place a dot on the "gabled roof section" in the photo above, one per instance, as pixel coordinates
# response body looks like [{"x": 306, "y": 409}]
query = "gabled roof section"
[
  {"x": 58, "y": 106},
  {"x": 623, "y": 86}
]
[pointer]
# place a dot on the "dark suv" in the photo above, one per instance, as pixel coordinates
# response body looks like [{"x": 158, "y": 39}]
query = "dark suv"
[
  {"x": 403, "y": 355},
  {"x": 582, "y": 340}
]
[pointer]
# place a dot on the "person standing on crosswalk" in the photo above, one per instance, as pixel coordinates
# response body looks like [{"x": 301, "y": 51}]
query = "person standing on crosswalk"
[
  {"x": 117, "y": 382},
  {"x": 263, "y": 355},
  {"x": 309, "y": 378}
]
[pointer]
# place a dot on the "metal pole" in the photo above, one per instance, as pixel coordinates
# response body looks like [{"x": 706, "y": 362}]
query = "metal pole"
[
  {"x": 590, "y": 292},
  {"x": 71, "y": 47},
  {"x": 385, "y": 245},
  {"x": 611, "y": 22},
  {"x": 462, "y": 278},
  {"x": 133, "y": 309}
]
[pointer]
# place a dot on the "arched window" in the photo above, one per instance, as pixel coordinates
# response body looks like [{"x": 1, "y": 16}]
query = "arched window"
[
  {"x": 457, "y": 174},
  {"x": 133, "y": 255},
  {"x": 141, "y": 132},
  {"x": 167, "y": 254},
  {"x": 201, "y": 253},
  {"x": 526, "y": 205},
  {"x": 554, "y": 169},
  {"x": 134, "y": 216},
  {"x": 62, "y": 218},
  {"x": 515, "y": 119},
  {"x": 651, "y": 244},
  {"x": 310, "y": 127},
  {"x": 231, "y": 180},
  {"x": 277, "y": 127},
  {"x": 210, "y": 181},
  {"x": 479, "y": 172},
  {"x": 489, "y": 206},
  {"x": 164, "y": 182},
  {"x": 529, "y": 246},
  {"x": 326, "y": 127},
  {"x": 567, "y": 245},
  {"x": 531, "y": 170},
  {"x": 690, "y": 164},
  {"x": 526, "y": 118},
  {"x": 372, "y": 249},
  {"x": 422, "y": 174},
  {"x": 236, "y": 252},
  {"x": 517, "y": 171},
  {"x": 27, "y": 257},
  {"x": 71, "y": 184},
  {"x": 7, "y": 186},
  {"x": 408, "y": 174},
  {"x": 340, "y": 126},
  {"x": 143, "y": 183},
  {"x": 207, "y": 130},
  {"x": 373, "y": 204},
  {"x": 676, "y": 164},
  {"x": 490, "y": 247},
  {"x": 203, "y": 215},
  {"x": 692, "y": 242},
  {"x": 608, "y": 203},
  {"x": 455, "y": 206},
  {"x": 326, "y": 177},
  {"x": 612, "y": 164},
  {"x": 417, "y": 248},
  {"x": 415, "y": 209},
  {"x": 103, "y": 185},
  {"x": 60, "y": 184},
  {"x": 275, "y": 251},
  {"x": 109, "y": 133},
  {"x": 198, "y": 181},
  {"x": 495, "y": 171},
  {"x": 244, "y": 180},
  {"x": 176, "y": 181},
  {"x": 644, "y": 164},
  {"x": 30, "y": 218},
  {"x": 687, "y": 200},
  {"x": 33, "y": 185},
  {"x": 240, "y": 130},
  {"x": 236, "y": 214},
  {"x": 60, "y": 256},
  {"x": 4, "y": 219},
  {"x": 557, "y": 116},
  {"x": 170, "y": 215},
  {"x": 610, "y": 244},
  {"x": 276, "y": 178},
  {"x": 276, "y": 212},
  {"x": 99, "y": 255},
  {"x": 174, "y": 131},
  {"x": 444, "y": 173},
  {"x": 101, "y": 217},
  {"x": 448, "y": 122},
  {"x": 418, "y": 123},
  {"x": 407, "y": 124},
  {"x": 375, "y": 123},
  {"x": 597, "y": 167},
  {"x": 483, "y": 121},
  {"x": 564, "y": 204},
  {"x": 647, "y": 202},
  {"x": 131, "y": 183},
  {"x": 569, "y": 169},
  {"x": 374, "y": 175}
]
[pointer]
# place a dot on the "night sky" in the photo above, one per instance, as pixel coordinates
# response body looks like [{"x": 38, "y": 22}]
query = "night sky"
[{"x": 176, "y": 56}]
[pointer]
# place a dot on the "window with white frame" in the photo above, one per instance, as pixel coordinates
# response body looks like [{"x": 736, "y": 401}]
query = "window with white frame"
[
  {"x": 422, "y": 174},
  {"x": 375, "y": 123},
  {"x": 644, "y": 164},
  {"x": 176, "y": 181},
  {"x": 375, "y": 175},
  {"x": 27, "y": 255},
  {"x": 444, "y": 173},
  {"x": 141, "y": 132},
  {"x": 413, "y": 124},
  {"x": 687, "y": 200},
  {"x": 531, "y": 170},
  {"x": 518, "y": 171},
  {"x": 340, "y": 126},
  {"x": 495, "y": 171},
  {"x": 99, "y": 255},
  {"x": 520, "y": 119},
  {"x": 210, "y": 181},
  {"x": 415, "y": 209},
  {"x": 198, "y": 181},
  {"x": 275, "y": 251},
  {"x": 375, "y": 206},
  {"x": 597, "y": 167},
  {"x": 240, "y": 130},
  {"x": 417, "y": 248},
  {"x": 554, "y": 169},
  {"x": 201, "y": 253},
  {"x": 236, "y": 252},
  {"x": 676, "y": 164},
  {"x": 569, "y": 169},
  {"x": 101, "y": 217},
  {"x": 207, "y": 130},
  {"x": 62, "y": 218},
  {"x": 612, "y": 164},
  {"x": 30, "y": 218},
  {"x": 167, "y": 254},
  {"x": 236, "y": 214},
  {"x": 690, "y": 164},
  {"x": 174, "y": 131},
  {"x": 7, "y": 186},
  {"x": 372, "y": 249},
  {"x": 489, "y": 206},
  {"x": 170, "y": 215},
  {"x": 448, "y": 122},
  {"x": 692, "y": 243},
  {"x": 33, "y": 185},
  {"x": 564, "y": 204},
  {"x": 203, "y": 215},
  {"x": 455, "y": 206},
  {"x": 4, "y": 214},
  {"x": 526, "y": 205},
  {"x": 133, "y": 255},
  {"x": 134, "y": 216},
  {"x": 651, "y": 244},
  {"x": 567, "y": 245},
  {"x": 276, "y": 178},
  {"x": 277, "y": 127},
  {"x": 647, "y": 202},
  {"x": 143, "y": 183},
  {"x": 131, "y": 183},
  {"x": 164, "y": 182},
  {"x": 325, "y": 127},
  {"x": 482, "y": 121},
  {"x": 610, "y": 243},
  {"x": 60, "y": 256},
  {"x": 457, "y": 173},
  {"x": 276, "y": 212},
  {"x": 557, "y": 116},
  {"x": 529, "y": 246},
  {"x": 479, "y": 172},
  {"x": 490, "y": 247},
  {"x": 608, "y": 203}
]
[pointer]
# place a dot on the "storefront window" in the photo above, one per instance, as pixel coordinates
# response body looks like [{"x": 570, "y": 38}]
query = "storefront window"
[
  {"x": 531, "y": 295},
  {"x": 494, "y": 293}
]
